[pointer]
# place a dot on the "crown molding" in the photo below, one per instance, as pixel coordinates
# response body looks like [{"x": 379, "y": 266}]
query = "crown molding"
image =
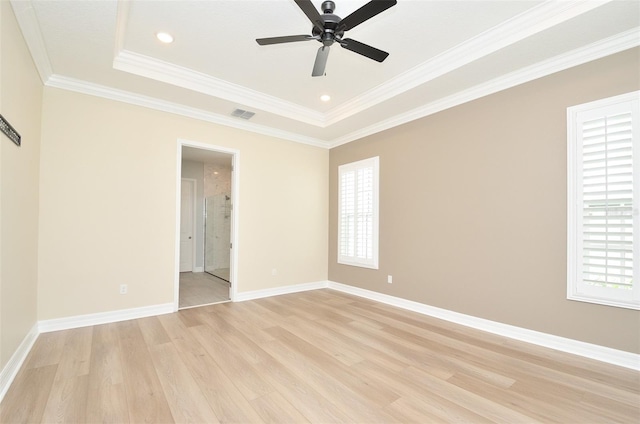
[
  {"x": 148, "y": 67},
  {"x": 600, "y": 49},
  {"x": 28, "y": 23},
  {"x": 169, "y": 73},
  {"x": 535, "y": 20},
  {"x": 615, "y": 44},
  {"x": 513, "y": 30},
  {"x": 84, "y": 87},
  {"x": 122, "y": 17},
  {"x": 516, "y": 29}
]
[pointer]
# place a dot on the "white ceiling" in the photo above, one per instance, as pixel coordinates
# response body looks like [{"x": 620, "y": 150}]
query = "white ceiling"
[{"x": 442, "y": 53}]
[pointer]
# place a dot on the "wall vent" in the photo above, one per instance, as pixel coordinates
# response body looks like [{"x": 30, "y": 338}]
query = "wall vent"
[{"x": 243, "y": 114}]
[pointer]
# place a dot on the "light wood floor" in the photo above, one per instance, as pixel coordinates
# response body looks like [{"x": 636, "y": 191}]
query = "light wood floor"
[
  {"x": 320, "y": 356},
  {"x": 200, "y": 288}
]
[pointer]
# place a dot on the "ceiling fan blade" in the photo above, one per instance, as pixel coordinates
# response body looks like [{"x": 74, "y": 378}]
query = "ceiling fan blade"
[
  {"x": 367, "y": 11},
  {"x": 363, "y": 49},
  {"x": 312, "y": 13},
  {"x": 285, "y": 39},
  {"x": 321, "y": 61}
]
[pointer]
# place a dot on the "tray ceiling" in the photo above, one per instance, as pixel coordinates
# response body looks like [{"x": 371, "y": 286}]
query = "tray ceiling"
[{"x": 442, "y": 53}]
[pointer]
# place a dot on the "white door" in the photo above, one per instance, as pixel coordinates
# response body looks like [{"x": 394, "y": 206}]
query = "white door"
[{"x": 187, "y": 195}]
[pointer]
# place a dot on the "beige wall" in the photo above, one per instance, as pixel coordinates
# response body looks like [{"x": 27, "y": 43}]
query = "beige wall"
[
  {"x": 473, "y": 207},
  {"x": 20, "y": 104},
  {"x": 108, "y": 205}
]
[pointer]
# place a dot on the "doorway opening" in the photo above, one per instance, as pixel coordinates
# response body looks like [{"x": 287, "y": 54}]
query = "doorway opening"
[{"x": 207, "y": 212}]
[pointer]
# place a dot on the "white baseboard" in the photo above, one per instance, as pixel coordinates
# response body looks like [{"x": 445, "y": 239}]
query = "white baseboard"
[
  {"x": 588, "y": 350},
  {"x": 103, "y": 317},
  {"x": 276, "y": 291},
  {"x": 10, "y": 370},
  {"x": 198, "y": 269}
]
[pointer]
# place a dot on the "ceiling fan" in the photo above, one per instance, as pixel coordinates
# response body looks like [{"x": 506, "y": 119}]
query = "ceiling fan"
[{"x": 329, "y": 28}]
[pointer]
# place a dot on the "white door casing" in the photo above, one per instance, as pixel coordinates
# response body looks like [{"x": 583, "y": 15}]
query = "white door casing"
[
  {"x": 187, "y": 222},
  {"x": 235, "y": 212}
]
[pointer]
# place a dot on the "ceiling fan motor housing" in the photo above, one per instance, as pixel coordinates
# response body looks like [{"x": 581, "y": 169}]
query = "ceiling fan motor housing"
[{"x": 330, "y": 23}]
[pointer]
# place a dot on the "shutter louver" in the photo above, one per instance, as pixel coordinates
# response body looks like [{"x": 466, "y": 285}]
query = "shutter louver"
[
  {"x": 364, "y": 197},
  {"x": 607, "y": 202},
  {"x": 357, "y": 213},
  {"x": 347, "y": 221}
]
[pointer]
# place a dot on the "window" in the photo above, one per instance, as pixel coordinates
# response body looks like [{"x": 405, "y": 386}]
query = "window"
[
  {"x": 358, "y": 213},
  {"x": 603, "y": 183}
]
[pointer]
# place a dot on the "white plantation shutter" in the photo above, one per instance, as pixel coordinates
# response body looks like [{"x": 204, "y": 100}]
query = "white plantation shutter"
[
  {"x": 358, "y": 213},
  {"x": 604, "y": 154},
  {"x": 607, "y": 201}
]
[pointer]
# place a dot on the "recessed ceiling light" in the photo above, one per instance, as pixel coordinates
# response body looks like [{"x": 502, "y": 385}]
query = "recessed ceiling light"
[
  {"x": 325, "y": 97},
  {"x": 165, "y": 37}
]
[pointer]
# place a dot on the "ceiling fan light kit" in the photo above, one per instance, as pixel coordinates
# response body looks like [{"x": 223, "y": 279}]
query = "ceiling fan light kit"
[{"x": 329, "y": 28}]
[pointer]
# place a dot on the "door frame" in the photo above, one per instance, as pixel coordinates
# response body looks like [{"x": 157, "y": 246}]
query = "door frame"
[
  {"x": 235, "y": 213},
  {"x": 194, "y": 208}
]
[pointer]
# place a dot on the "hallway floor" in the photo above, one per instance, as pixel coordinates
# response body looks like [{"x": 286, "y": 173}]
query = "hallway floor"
[
  {"x": 223, "y": 273},
  {"x": 201, "y": 288}
]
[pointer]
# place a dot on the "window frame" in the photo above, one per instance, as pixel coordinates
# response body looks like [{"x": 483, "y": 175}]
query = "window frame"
[
  {"x": 577, "y": 289},
  {"x": 372, "y": 263}
]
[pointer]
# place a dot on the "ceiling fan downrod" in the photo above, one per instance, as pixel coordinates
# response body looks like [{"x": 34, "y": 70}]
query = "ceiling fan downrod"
[{"x": 328, "y": 6}]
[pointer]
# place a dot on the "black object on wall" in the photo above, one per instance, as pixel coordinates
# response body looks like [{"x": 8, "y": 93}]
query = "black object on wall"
[{"x": 9, "y": 131}]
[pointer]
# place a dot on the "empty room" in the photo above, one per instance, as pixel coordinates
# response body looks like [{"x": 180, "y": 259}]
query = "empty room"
[{"x": 343, "y": 211}]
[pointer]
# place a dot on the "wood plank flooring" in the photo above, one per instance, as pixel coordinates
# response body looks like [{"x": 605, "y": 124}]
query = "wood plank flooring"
[{"x": 321, "y": 357}]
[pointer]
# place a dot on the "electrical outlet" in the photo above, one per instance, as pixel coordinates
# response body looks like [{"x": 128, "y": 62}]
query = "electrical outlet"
[
  {"x": 390, "y": 279},
  {"x": 274, "y": 271},
  {"x": 123, "y": 289}
]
